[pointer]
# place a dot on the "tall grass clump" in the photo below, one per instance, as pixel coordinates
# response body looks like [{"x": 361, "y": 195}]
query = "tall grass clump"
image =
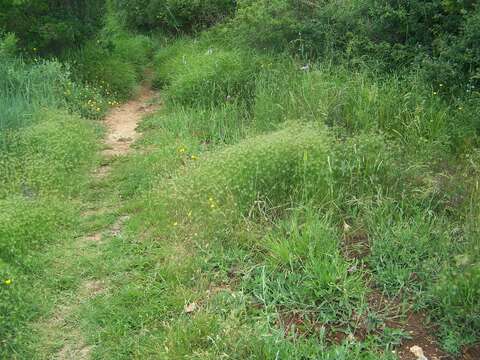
[
  {"x": 169, "y": 56},
  {"x": 173, "y": 16},
  {"x": 25, "y": 88},
  {"x": 304, "y": 264},
  {"x": 112, "y": 63},
  {"x": 48, "y": 156},
  {"x": 224, "y": 124},
  {"x": 206, "y": 76},
  {"x": 267, "y": 171},
  {"x": 402, "y": 108}
]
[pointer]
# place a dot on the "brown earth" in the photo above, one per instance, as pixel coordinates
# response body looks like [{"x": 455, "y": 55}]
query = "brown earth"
[{"x": 122, "y": 122}]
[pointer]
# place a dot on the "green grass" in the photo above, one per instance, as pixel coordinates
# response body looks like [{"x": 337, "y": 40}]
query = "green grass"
[
  {"x": 26, "y": 88},
  {"x": 47, "y": 150},
  {"x": 267, "y": 203},
  {"x": 243, "y": 217},
  {"x": 45, "y": 166}
]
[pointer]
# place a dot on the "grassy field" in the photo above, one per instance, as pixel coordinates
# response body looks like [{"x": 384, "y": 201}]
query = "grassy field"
[
  {"x": 274, "y": 207},
  {"x": 282, "y": 213}
]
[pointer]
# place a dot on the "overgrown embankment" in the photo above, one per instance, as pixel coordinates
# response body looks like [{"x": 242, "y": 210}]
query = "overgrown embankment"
[
  {"x": 292, "y": 211},
  {"x": 49, "y": 143},
  {"x": 308, "y": 190}
]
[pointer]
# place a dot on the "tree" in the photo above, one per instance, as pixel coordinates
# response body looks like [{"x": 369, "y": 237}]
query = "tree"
[{"x": 50, "y": 26}]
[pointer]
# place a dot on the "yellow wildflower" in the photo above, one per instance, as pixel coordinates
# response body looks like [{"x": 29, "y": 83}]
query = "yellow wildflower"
[{"x": 8, "y": 282}]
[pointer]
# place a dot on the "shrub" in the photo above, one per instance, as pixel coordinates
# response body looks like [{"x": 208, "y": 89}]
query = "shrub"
[
  {"x": 387, "y": 34},
  {"x": 210, "y": 77},
  {"x": 273, "y": 170},
  {"x": 25, "y": 88},
  {"x": 174, "y": 15},
  {"x": 113, "y": 64},
  {"x": 304, "y": 264},
  {"x": 49, "y": 27},
  {"x": 456, "y": 59},
  {"x": 266, "y": 23},
  {"x": 100, "y": 66},
  {"x": 8, "y": 46}
]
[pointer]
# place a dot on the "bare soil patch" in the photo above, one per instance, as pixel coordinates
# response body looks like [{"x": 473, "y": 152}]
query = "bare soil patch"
[{"x": 122, "y": 122}]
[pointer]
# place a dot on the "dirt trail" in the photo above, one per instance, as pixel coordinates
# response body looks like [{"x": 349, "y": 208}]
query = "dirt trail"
[{"x": 121, "y": 124}]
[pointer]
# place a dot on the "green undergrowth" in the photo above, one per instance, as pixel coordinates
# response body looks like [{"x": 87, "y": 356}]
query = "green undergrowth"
[
  {"x": 199, "y": 74},
  {"x": 269, "y": 201},
  {"x": 44, "y": 169},
  {"x": 49, "y": 142},
  {"x": 246, "y": 207}
]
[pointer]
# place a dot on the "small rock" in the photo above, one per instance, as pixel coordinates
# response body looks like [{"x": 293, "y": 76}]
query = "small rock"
[
  {"x": 190, "y": 308},
  {"x": 418, "y": 352}
]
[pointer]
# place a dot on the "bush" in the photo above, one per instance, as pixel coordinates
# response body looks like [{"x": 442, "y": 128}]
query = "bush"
[
  {"x": 8, "y": 46},
  {"x": 49, "y": 27},
  {"x": 99, "y": 66},
  {"x": 208, "y": 76},
  {"x": 174, "y": 15},
  {"x": 114, "y": 64},
  {"x": 50, "y": 156},
  {"x": 25, "y": 88},
  {"x": 273, "y": 170},
  {"x": 387, "y": 34}
]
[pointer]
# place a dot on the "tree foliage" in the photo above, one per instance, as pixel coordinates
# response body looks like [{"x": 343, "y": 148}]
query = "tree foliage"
[
  {"x": 174, "y": 15},
  {"x": 49, "y": 26}
]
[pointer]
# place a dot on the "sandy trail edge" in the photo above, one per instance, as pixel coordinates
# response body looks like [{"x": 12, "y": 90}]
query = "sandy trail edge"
[{"x": 122, "y": 122}]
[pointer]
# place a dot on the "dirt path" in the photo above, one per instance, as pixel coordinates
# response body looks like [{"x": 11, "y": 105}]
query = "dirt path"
[
  {"x": 122, "y": 122},
  {"x": 61, "y": 334}
]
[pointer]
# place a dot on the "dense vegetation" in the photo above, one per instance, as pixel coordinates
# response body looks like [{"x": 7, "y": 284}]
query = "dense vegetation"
[
  {"x": 310, "y": 157},
  {"x": 48, "y": 142},
  {"x": 51, "y": 26}
]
